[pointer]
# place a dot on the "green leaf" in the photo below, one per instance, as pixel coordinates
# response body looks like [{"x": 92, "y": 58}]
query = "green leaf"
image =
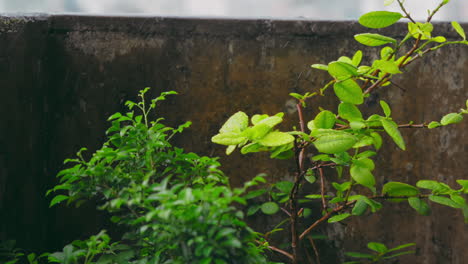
[
  {"x": 444, "y": 201},
  {"x": 434, "y": 186},
  {"x": 359, "y": 255},
  {"x": 271, "y": 121},
  {"x": 365, "y": 163},
  {"x": 310, "y": 177},
  {"x": 276, "y": 138},
  {"x": 366, "y": 154},
  {"x": 320, "y": 67},
  {"x": 379, "y": 19},
  {"x": 399, "y": 189},
  {"x": 439, "y": 39},
  {"x": 402, "y": 247},
  {"x": 256, "y": 132},
  {"x": 57, "y": 199},
  {"x": 270, "y": 208},
  {"x": 325, "y": 119},
  {"x": 464, "y": 184},
  {"x": 334, "y": 143},
  {"x": 228, "y": 138},
  {"x": 377, "y": 140},
  {"x": 236, "y": 123},
  {"x": 378, "y": 247},
  {"x": 349, "y": 92},
  {"x": 284, "y": 186},
  {"x": 386, "y": 66},
  {"x": 392, "y": 130},
  {"x": 338, "y": 218},
  {"x": 362, "y": 175},
  {"x": 399, "y": 254},
  {"x": 297, "y": 96},
  {"x": 452, "y": 118},
  {"x": 359, "y": 208},
  {"x": 349, "y": 112},
  {"x": 357, "y": 58},
  {"x": 418, "y": 28},
  {"x": 434, "y": 124},
  {"x": 257, "y": 118},
  {"x": 341, "y": 70},
  {"x": 230, "y": 149},
  {"x": 459, "y": 29},
  {"x": 374, "y": 40}
]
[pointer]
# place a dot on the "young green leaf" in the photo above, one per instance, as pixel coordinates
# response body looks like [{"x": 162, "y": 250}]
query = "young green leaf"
[
  {"x": 228, "y": 138},
  {"x": 377, "y": 140},
  {"x": 320, "y": 67},
  {"x": 374, "y": 40},
  {"x": 357, "y": 58},
  {"x": 236, "y": 123},
  {"x": 362, "y": 175},
  {"x": 464, "y": 184},
  {"x": 359, "y": 255},
  {"x": 378, "y": 247},
  {"x": 334, "y": 143},
  {"x": 386, "y": 66},
  {"x": 452, "y": 118},
  {"x": 58, "y": 199},
  {"x": 257, "y": 118},
  {"x": 399, "y": 189},
  {"x": 359, "y": 208},
  {"x": 230, "y": 149},
  {"x": 341, "y": 70},
  {"x": 444, "y": 201},
  {"x": 392, "y": 130},
  {"x": 349, "y": 112},
  {"x": 434, "y": 186},
  {"x": 338, "y": 218},
  {"x": 420, "y": 29},
  {"x": 434, "y": 124},
  {"x": 276, "y": 138},
  {"x": 270, "y": 208},
  {"x": 379, "y": 19},
  {"x": 349, "y": 92},
  {"x": 459, "y": 29},
  {"x": 325, "y": 119},
  {"x": 385, "y": 108}
]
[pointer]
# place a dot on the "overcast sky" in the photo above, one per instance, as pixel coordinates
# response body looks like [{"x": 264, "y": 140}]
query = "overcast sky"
[{"x": 311, "y": 9}]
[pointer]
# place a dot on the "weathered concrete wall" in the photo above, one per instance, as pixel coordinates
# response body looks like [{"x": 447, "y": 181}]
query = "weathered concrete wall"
[{"x": 62, "y": 76}]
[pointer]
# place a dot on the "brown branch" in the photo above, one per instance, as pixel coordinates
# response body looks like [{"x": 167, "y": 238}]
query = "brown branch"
[
  {"x": 322, "y": 189},
  {"x": 284, "y": 253},
  {"x": 323, "y": 218}
]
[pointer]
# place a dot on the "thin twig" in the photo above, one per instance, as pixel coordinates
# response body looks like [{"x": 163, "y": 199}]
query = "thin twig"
[
  {"x": 317, "y": 256},
  {"x": 284, "y": 253},
  {"x": 402, "y": 7},
  {"x": 322, "y": 189},
  {"x": 413, "y": 126}
]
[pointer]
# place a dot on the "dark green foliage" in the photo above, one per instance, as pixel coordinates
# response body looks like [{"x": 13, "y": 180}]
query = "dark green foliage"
[{"x": 176, "y": 207}]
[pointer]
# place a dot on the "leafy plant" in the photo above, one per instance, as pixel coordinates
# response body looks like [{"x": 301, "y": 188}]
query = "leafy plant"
[
  {"x": 175, "y": 207},
  {"x": 344, "y": 139},
  {"x": 380, "y": 252}
]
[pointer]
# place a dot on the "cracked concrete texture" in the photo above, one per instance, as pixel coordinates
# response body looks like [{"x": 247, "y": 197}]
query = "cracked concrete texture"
[{"x": 62, "y": 76}]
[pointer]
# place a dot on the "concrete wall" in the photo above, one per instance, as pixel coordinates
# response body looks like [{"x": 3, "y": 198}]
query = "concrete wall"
[{"x": 62, "y": 76}]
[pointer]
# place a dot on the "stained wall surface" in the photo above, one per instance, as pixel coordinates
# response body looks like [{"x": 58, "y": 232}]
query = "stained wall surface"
[{"x": 62, "y": 76}]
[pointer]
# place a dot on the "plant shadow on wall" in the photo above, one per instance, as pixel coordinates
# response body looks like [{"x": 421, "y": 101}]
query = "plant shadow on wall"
[{"x": 344, "y": 140}]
